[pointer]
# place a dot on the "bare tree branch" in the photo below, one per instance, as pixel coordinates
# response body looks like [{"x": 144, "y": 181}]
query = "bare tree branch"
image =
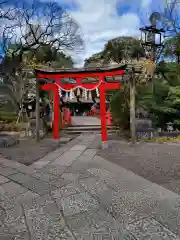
[
  {"x": 172, "y": 16},
  {"x": 28, "y": 27},
  {"x": 39, "y": 24}
]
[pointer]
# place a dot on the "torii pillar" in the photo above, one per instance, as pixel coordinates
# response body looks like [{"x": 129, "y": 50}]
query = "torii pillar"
[{"x": 79, "y": 75}]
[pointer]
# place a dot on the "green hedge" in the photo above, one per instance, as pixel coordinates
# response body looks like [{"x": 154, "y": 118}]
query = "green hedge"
[
  {"x": 7, "y": 113},
  {"x": 8, "y": 116},
  {"x": 12, "y": 127}
]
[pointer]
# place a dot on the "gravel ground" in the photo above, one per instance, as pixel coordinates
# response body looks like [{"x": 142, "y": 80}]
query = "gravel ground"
[
  {"x": 29, "y": 151},
  {"x": 158, "y": 163}
]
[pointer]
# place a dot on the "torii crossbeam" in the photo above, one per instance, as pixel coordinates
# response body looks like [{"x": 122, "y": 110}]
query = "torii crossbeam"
[{"x": 80, "y": 74}]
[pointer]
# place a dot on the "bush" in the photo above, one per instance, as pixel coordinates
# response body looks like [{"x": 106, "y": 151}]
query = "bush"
[
  {"x": 7, "y": 113},
  {"x": 120, "y": 108},
  {"x": 8, "y": 116},
  {"x": 12, "y": 127},
  {"x": 162, "y": 139}
]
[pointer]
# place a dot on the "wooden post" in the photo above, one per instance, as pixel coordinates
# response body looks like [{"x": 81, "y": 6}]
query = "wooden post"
[
  {"x": 37, "y": 112},
  {"x": 133, "y": 107}
]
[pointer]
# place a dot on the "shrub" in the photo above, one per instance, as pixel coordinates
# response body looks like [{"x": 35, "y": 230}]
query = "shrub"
[
  {"x": 8, "y": 116},
  {"x": 12, "y": 127},
  {"x": 162, "y": 139},
  {"x": 120, "y": 108}
]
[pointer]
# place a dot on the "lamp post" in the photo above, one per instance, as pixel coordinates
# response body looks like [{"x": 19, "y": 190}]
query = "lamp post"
[
  {"x": 152, "y": 38},
  {"x": 152, "y": 41}
]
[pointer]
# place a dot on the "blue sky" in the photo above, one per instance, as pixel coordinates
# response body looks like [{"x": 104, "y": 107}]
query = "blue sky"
[{"x": 101, "y": 20}]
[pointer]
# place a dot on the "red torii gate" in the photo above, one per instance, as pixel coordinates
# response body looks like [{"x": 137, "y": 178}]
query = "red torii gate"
[{"x": 79, "y": 75}]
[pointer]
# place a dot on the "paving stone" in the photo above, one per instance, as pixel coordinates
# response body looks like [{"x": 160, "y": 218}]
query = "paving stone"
[
  {"x": 85, "y": 159},
  {"x": 94, "y": 186},
  {"x": 168, "y": 214},
  {"x": 65, "y": 191},
  {"x": 67, "y": 158},
  {"x": 150, "y": 229},
  {"x": 95, "y": 225},
  {"x": 12, "y": 221},
  {"x": 65, "y": 139},
  {"x": 51, "y": 179},
  {"x": 43, "y": 176},
  {"x": 158, "y": 163},
  {"x": 40, "y": 164},
  {"x": 18, "y": 167},
  {"x": 28, "y": 196},
  {"x": 10, "y": 163},
  {"x": 72, "y": 143},
  {"x": 54, "y": 170},
  {"x": 26, "y": 170},
  {"x": 81, "y": 166},
  {"x": 35, "y": 201},
  {"x": 33, "y": 184},
  {"x": 95, "y": 145},
  {"x": 10, "y": 201},
  {"x": 7, "y": 171},
  {"x": 46, "y": 223},
  {"x": 78, "y": 148},
  {"x": 122, "y": 182},
  {"x": 3, "y": 160},
  {"x": 3, "y": 179},
  {"x": 57, "y": 229},
  {"x": 72, "y": 177},
  {"x": 77, "y": 167},
  {"x": 76, "y": 203},
  {"x": 90, "y": 152},
  {"x": 19, "y": 236},
  {"x": 100, "y": 172},
  {"x": 129, "y": 206},
  {"x": 10, "y": 193},
  {"x": 78, "y": 170},
  {"x": 44, "y": 219},
  {"x": 60, "y": 183},
  {"x": 52, "y": 155}
]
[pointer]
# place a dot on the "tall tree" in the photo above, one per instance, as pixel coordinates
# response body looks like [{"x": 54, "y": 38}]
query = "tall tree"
[
  {"x": 123, "y": 48},
  {"x": 172, "y": 48},
  {"x": 40, "y": 24},
  {"x": 39, "y": 30}
]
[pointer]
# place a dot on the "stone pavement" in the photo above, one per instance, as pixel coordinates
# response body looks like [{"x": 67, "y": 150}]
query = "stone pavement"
[
  {"x": 72, "y": 193},
  {"x": 85, "y": 121}
]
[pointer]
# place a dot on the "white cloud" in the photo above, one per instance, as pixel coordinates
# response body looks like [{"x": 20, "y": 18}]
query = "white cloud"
[
  {"x": 146, "y": 3},
  {"x": 100, "y": 22}
]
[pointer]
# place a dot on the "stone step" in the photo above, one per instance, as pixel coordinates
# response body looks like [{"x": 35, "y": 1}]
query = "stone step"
[
  {"x": 87, "y": 128},
  {"x": 86, "y": 131}
]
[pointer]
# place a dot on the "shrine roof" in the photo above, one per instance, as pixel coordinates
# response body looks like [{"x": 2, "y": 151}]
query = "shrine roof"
[{"x": 81, "y": 70}]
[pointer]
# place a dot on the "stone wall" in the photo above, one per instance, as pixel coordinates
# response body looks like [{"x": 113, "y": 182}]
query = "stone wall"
[{"x": 144, "y": 128}]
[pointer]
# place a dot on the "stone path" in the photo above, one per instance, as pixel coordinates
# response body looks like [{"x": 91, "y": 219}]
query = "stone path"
[
  {"x": 72, "y": 193},
  {"x": 85, "y": 121}
]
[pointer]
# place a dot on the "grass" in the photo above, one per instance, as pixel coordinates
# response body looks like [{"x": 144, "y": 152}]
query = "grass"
[{"x": 162, "y": 139}]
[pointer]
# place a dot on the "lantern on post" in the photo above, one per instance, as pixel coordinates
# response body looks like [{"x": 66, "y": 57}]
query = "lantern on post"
[{"x": 152, "y": 37}]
